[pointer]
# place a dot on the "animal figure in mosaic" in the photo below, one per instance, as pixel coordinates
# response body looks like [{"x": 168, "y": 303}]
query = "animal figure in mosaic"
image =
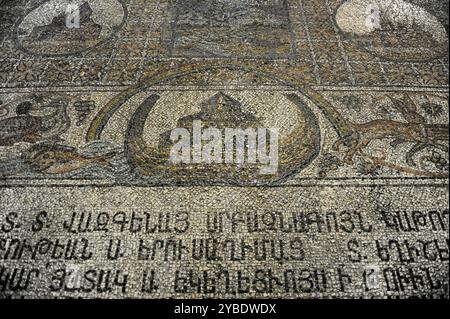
[
  {"x": 391, "y": 19},
  {"x": 25, "y": 127},
  {"x": 106, "y": 13},
  {"x": 415, "y": 131},
  {"x": 60, "y": 159}
]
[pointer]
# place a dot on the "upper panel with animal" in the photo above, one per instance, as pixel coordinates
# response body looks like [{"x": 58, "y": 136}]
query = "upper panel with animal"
[{"x": 327, "y": 42}]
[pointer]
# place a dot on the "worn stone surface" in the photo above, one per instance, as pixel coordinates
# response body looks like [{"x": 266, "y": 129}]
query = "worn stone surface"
[{"x": 91, "y": 206}]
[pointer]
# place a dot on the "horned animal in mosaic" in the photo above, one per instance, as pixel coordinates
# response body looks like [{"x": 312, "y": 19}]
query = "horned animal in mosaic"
[{"x": 415, "y": 131}]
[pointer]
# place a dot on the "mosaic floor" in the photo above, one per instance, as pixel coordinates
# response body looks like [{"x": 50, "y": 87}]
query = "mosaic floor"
[{"x": 352, "y": 202}]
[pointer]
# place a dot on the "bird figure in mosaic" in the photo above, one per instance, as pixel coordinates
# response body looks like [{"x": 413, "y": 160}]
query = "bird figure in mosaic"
[
  {"x": 23, "y": 127},
  {"x": 29, "y": 128}
]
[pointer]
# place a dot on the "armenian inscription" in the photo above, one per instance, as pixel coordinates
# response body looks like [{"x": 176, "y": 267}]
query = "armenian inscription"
[
  {"x": 224, "y": 149},
  {"x": 238, "y": 249}
]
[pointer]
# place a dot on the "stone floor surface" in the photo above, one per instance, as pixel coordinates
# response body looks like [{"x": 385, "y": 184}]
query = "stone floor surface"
[{"x": 117, "y": 180}]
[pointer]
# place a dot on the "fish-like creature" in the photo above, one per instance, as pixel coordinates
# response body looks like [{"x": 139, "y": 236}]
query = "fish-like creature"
[{"x": 61, "y": 159}]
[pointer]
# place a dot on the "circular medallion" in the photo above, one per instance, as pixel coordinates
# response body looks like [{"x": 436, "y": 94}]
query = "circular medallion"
[
  {"x": 393, "y": 30},
  {"x": 63, "y": 27}
]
